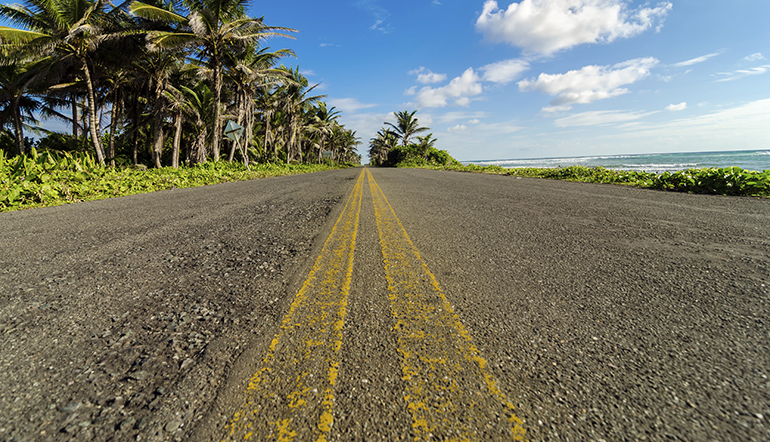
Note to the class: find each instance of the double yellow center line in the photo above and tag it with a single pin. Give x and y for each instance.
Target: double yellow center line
(447, 388)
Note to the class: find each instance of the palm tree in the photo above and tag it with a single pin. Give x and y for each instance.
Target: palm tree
(406, 126)
(323, 122)
(381, 145)
(344, 144)
(295, 102)
(425, 144)
(200, 111)
(16, 105)
(252, 74)
(180, 104)
(213, 28)
(67, 31)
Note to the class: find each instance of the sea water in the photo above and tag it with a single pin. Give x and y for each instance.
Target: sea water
(758, 160)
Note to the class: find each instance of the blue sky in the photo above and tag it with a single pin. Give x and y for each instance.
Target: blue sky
(542, 78)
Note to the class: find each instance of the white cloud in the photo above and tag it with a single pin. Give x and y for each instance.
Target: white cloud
(599, 118)
(377, 12)
(458, 128)
(755, 57)
(677, 107)
(696, 60)
(744, 125)
(366, 125)
(308, 72)
(348, 104)
(456, 116)
(505, 71)
(590, 83)
(460, 89)
(504, 128)
(740, 73)
(474, 121)
(554, 109)
(426, 76)
(547, 26)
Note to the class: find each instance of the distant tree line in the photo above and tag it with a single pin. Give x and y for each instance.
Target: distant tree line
(154, 82)
(393, 146)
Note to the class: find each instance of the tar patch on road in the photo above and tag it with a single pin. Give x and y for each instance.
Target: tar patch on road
(448, 390)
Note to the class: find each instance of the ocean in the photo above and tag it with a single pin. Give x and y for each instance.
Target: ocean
(758, 160)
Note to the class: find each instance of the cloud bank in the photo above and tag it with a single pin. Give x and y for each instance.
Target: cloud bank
(740, 73)
(677, 107)
(426, 76)
(349, 104)
(461, 89)
(599, 118)
(504, 72)
(590, 83)
(696, 60)
(547, 26)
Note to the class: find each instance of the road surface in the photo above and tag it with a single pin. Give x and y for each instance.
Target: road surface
(388, 304)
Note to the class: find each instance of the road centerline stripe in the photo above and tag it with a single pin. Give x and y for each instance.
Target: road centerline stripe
(292, 392)
(449, 392)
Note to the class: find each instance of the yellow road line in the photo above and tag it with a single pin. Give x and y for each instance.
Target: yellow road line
(449, 391)
(286, 397)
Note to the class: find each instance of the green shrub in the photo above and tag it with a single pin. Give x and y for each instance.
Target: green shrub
(47, 178)
(725, 181)
(416, 156)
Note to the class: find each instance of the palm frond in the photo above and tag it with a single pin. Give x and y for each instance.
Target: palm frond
(20, 15)
(12, 36)
(154, 13)
(162, 39)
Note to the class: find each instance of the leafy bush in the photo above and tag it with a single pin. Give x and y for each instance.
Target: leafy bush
(725, 181)
(415, 155)
(46, 179)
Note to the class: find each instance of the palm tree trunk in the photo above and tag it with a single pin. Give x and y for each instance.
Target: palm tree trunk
(157, 145)
(75, 116)
(92, 114)
(18, 127)
(321, 148)
(177, 140)
(135, 144)
(267, 135)
(216, 136)
(292, 139)
(249, 132)
(199, 149)
(117, 110)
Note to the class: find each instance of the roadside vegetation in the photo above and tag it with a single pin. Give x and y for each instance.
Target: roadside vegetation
(720, 181)
(154, 83)
(50, 179)
(392, 148)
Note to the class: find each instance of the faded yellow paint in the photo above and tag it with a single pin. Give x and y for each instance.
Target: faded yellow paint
(441, 366)
(285, 397)
(449, 391)
(284, 433)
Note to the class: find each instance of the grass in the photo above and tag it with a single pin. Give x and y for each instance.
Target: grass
(720, 181)
(51, 179)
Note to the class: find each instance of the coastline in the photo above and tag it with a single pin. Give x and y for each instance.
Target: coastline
(755, 160)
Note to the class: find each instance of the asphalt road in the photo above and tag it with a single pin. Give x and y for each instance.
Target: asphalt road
(404, 304)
